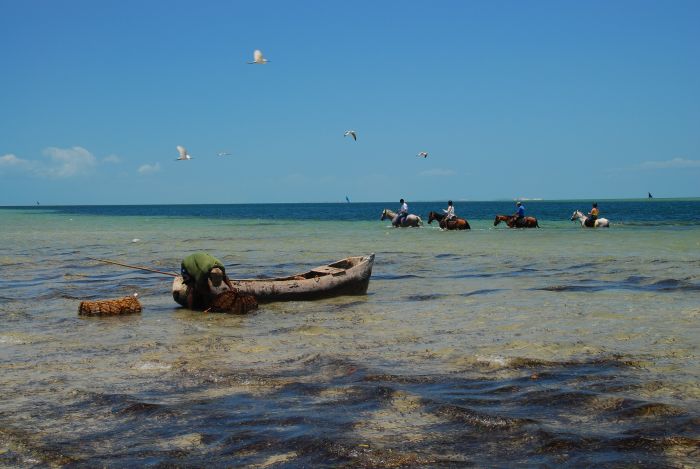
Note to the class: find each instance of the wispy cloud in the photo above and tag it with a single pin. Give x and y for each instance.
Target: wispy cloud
(149, 168)
(295, 178)
(112, 159)
(11, 161)
(58, 163)
(675, 163)
(328, 179)
(437, 172)
(67, 162)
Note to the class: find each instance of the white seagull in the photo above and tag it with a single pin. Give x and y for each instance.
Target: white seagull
(183, 154)
(352, 133)
(258, 58)
(224, 153)
(423, 154)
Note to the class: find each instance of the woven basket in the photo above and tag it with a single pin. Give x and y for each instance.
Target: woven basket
(126, 305)
(232, 302)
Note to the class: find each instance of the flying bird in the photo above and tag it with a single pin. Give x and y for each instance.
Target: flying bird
(183, 154)
(352, 133)
(224, 153)
(258, 58)
(423, 154)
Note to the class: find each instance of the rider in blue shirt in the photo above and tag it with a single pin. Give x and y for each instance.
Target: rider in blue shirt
(520, 214)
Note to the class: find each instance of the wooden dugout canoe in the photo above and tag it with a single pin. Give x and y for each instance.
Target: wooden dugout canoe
(349, 276)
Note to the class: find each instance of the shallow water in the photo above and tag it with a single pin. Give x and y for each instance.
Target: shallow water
(492, 347)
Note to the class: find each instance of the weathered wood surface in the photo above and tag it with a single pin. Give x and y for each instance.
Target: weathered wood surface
(349, 276)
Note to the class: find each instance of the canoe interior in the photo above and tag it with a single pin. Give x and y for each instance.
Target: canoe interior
(335, 268)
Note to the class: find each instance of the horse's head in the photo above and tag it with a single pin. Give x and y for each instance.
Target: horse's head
(431, 217)
(500, 218)
(384, 215)
(576, 215)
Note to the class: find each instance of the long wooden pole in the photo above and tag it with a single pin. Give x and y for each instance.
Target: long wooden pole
(134, 267)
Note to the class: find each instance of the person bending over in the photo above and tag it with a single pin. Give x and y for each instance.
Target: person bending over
(205, 277)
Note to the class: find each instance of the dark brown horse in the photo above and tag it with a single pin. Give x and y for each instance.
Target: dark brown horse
(528, 222)
(455, 224)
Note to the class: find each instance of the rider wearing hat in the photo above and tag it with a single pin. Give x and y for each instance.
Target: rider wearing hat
(519, 214)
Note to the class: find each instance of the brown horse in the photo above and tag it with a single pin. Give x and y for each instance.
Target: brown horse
(456, 224)
(528, 222)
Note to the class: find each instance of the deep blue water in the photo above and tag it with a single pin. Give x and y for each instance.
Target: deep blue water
(676, 211)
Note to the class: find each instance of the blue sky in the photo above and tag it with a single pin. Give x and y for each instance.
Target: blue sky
(534, 99)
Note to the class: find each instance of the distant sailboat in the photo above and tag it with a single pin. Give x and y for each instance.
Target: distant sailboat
(37, 202)
(650, 195)
(347, 199)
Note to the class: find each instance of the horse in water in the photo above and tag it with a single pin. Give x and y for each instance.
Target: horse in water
(456, 224)
(599, 223)
(409, 221)
(528, 222)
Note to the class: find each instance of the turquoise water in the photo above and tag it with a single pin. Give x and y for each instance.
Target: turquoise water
(491, 347)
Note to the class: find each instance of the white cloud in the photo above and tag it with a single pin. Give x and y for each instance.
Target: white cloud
(437, 172)
(675, 163)
(112, 159)
(11, 161)
(68, 162)
(149, 168)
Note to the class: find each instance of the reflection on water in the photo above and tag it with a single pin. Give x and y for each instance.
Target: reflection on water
(487, 348)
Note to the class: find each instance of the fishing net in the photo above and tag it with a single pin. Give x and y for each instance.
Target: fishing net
(232, 302)
(126, 305)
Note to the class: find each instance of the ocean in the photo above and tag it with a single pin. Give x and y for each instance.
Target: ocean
(492, 347)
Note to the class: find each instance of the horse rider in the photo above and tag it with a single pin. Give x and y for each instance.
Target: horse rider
(204, 275)
(402, 213)
(450, 211)
(592, 215)
(519, 214)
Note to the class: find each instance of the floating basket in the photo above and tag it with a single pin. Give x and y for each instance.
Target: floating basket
(232, 302)
(126, 305)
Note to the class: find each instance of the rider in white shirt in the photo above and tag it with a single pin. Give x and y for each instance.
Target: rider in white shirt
(402, 214)
(449, 212)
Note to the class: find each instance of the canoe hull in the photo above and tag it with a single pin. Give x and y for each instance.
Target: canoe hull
(349, 276)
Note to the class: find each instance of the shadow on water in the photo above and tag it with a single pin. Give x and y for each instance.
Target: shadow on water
(328, 412)
(635, 283)
(436, 296)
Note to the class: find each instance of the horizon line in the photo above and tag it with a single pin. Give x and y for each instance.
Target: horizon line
(358, 203)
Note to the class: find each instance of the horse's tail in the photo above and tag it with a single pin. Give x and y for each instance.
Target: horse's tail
(537, 223)
(420, 220)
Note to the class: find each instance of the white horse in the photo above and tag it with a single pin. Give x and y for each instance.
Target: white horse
(409, 220)
(599, 223)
